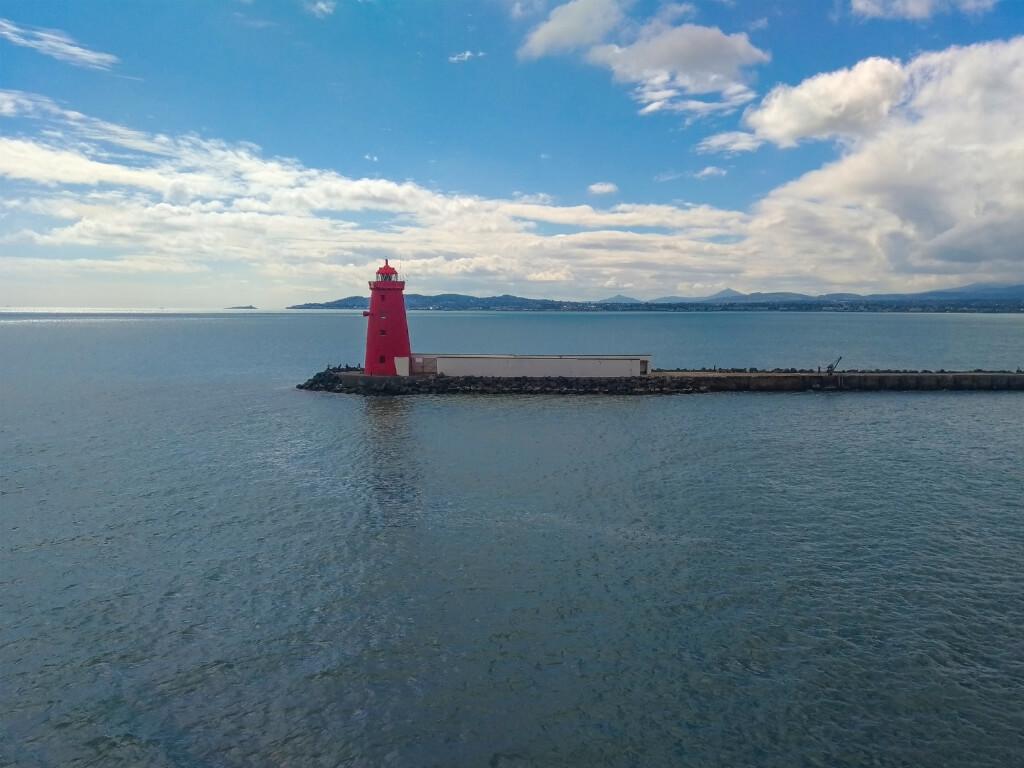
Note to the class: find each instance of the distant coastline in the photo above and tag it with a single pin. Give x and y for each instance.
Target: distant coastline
(972, 298)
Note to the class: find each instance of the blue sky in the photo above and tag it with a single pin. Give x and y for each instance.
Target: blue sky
(202, 153)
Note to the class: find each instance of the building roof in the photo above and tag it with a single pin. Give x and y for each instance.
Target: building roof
(530, 357)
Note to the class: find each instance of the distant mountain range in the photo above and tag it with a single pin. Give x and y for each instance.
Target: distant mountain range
(976, 291)
(979, 297)
(725, 295)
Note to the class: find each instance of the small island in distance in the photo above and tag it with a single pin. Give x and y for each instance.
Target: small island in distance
(979, 297)
(247, 306)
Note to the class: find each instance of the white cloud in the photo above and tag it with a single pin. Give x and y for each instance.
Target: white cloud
(371, 158)
(461, 58)
(918, 9)
(602, 188)
(670, 65)
(570, 26)
(670, 13)
(849, 102)
(75, 268)
(214, 208)
(553, 274)
(540, 198)
(934, 190)
(14, 103)
(709, 172)
(321, 8)
(56, 44)
(929, 194)
(697, 221)
(729, 142)
(672, 68)
(49, 165)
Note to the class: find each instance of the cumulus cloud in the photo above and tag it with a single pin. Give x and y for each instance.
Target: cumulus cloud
(710, 172)
(576, 24)
(672, 67)
(602, 188)
(936, 187)
(668, 65)
(204, 206)
(849, 102)
(56, 44)
(918, 9)
(928, 192)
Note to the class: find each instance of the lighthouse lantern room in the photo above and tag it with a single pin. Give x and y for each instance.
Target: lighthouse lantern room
(387, 330)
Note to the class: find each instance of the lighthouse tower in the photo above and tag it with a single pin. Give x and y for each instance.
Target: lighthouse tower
(387, 331)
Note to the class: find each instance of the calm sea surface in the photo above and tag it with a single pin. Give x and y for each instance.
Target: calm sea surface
(202, 566)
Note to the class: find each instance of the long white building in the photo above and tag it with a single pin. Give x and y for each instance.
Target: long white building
(569, 366)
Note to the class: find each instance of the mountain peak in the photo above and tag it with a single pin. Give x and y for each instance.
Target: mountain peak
(620, 299)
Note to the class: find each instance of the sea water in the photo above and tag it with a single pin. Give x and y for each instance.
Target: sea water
(202, 566)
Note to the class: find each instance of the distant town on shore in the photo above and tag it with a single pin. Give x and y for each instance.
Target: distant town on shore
(979, 297)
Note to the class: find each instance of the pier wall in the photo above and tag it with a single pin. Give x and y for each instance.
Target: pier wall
(668, 382)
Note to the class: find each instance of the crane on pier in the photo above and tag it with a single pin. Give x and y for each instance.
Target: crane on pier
(831, 368)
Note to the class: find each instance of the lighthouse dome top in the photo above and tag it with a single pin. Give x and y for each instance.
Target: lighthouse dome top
(387, 272)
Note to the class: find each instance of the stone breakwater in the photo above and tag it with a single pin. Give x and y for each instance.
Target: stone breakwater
(350, 381)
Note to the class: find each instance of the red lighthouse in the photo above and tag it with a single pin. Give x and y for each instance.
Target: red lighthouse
(387, 332)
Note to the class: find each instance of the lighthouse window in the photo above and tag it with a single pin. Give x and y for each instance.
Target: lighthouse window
(383, 297)
(383, 332)
(381, 359)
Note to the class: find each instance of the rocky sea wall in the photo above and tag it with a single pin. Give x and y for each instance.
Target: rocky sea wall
(352, 381)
